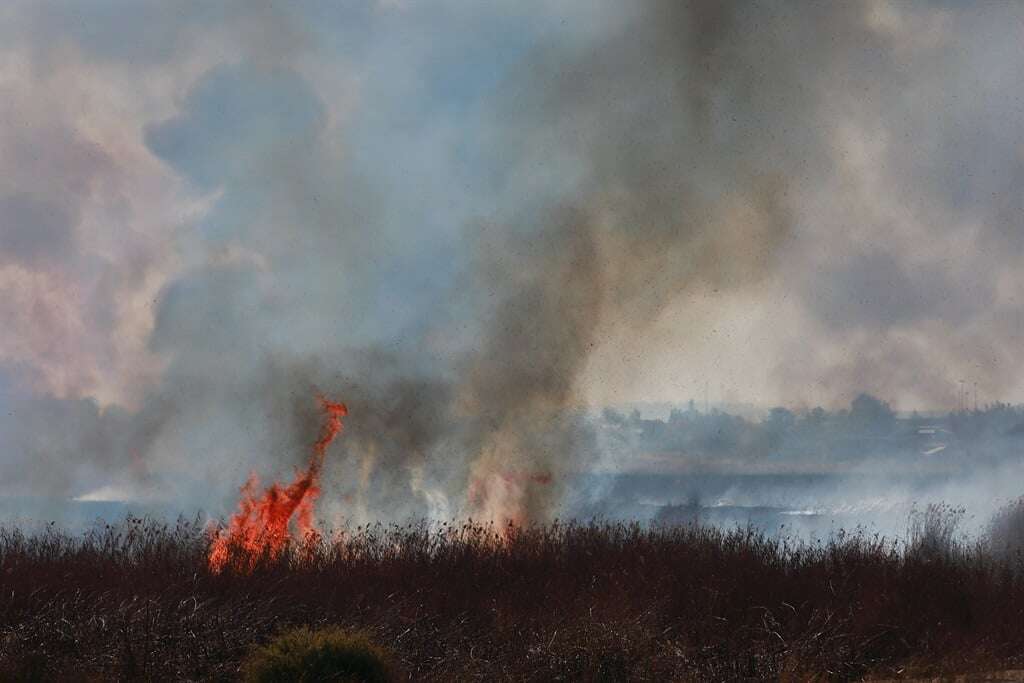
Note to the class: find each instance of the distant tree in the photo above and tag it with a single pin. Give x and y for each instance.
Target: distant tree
(776, 426)
(719, 433)
(613, 417)
(780, 419)
(816, 418)
(868, 412)
(675, 416)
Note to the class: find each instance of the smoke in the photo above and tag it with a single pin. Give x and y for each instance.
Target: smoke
(490, 420)
(638, 226)
(472, 241)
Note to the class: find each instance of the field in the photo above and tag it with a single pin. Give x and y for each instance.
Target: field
(600, 601)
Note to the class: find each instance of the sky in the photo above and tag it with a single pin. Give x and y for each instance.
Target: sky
(488, 212)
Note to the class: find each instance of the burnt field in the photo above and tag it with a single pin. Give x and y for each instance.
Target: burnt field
(138, 601)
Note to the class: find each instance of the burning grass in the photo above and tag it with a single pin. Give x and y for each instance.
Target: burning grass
(261, 527)
(461, 602)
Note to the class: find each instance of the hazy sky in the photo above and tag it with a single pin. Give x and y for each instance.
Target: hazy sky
(533, 201)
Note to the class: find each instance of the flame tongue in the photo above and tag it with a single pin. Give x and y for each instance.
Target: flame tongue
(261, 525)
(331, 429)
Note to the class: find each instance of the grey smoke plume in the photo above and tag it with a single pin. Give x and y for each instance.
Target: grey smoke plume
(659, 199)
(642, 222)
(491, 423)
(455, 271)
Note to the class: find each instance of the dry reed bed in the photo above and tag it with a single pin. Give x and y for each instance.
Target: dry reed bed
(599, 601)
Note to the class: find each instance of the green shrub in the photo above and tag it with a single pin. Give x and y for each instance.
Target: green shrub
(326, 654)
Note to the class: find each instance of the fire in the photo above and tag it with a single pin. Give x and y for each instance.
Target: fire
(261, 527)
(500, 495)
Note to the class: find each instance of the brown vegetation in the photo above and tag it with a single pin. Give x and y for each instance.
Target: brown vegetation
(559, 602)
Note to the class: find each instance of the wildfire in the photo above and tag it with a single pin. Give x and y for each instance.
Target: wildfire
(261, 527)
(500, 495)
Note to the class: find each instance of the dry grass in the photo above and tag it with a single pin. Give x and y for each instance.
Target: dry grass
(1006, 532)
(599, 602)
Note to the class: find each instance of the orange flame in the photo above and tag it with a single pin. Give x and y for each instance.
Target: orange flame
(261, 525)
